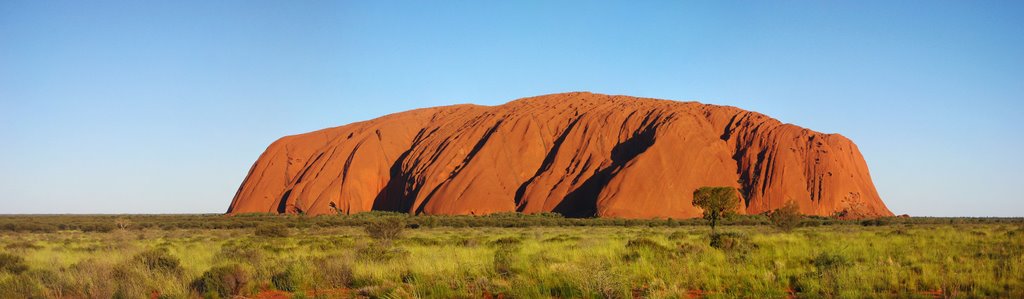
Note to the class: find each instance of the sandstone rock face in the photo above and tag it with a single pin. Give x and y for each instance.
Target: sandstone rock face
(578, 154)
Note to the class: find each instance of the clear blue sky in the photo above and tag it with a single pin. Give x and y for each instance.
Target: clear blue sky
(162, 106)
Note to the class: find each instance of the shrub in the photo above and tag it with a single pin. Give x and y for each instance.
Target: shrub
(96, 275)
(637, 247)
(386, 229)
(423, 241)
(12, 263)
(787, 217)
(53, 283)
(645, 243)
(272, 231)
(159, 260)
(504, 258)
(688, 249)
(97, 227)
(288, 280)
(23, 245)
(826, 262)
(828, 266)
(245, 252)
(728, 241)
(881, 221)
(678, 235)
(562, 238)
(20, 286)
(129, 281)
(595, 279)
(379, 252)
(465, 241)
(222, 281)
(506, 241)
(29, 227)
(1014, 233)
(332, 272)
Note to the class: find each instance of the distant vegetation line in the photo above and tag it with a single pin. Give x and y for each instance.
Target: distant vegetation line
(106, 223)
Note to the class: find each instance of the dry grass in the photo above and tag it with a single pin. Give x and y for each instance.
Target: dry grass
(850, 261)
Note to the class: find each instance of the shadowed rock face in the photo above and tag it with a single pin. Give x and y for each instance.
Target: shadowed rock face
(578, 154)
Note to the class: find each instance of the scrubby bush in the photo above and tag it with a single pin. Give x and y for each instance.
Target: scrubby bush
(462, 241)
(29, 227)
(685, 249)
(828, 266)
(881, 221)
(222, 281)
(1015, 233)
(12, 263)
(636, 248)
(272, 231)
(738, 219)
(506, 241)
(20, 286)
(288, 280)
(595, 279)
(562, 238)
(645, 243)
(787, 217)
(23, 246)
(386, 229)
(380, 252)
(241, 252)
(728, 241)
(332, 272)
(423, 241)
(504, 258)
(678, 235)
(159, 260)
(97, 227)
(96, 278)
(825, 262)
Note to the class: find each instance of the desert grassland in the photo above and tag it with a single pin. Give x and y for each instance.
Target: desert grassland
(845, 261)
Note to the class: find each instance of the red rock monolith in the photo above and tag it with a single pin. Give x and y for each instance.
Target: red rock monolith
(579, 154)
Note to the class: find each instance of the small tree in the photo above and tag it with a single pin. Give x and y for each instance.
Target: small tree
(123, 223)
(717, 202)
(787, 217)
